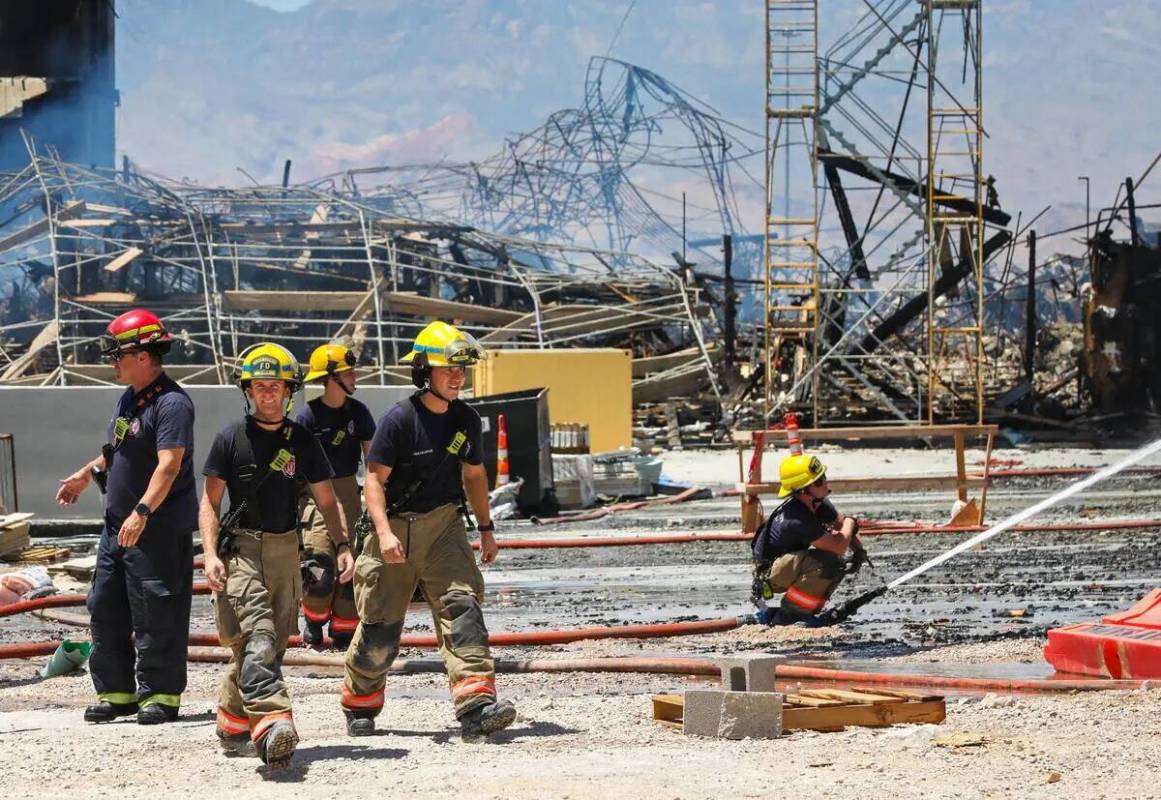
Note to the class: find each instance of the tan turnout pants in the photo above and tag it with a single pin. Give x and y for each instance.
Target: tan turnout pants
(256, 614)
(807, 578)
(441, 563)
(338, 605)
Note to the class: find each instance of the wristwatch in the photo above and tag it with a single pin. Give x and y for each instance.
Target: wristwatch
(488, 527)
(143, 510)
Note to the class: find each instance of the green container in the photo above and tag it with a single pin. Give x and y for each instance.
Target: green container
(69, 657)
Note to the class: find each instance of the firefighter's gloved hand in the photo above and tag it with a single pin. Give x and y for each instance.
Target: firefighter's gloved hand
(856, 560)
(318, 578)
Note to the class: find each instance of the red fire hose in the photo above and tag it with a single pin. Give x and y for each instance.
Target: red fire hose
(665, 666)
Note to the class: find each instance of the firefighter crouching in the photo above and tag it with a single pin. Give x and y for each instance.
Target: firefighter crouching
(799, 550)
(426, 451)
(344, 427)
(140, 599)
(251, 557)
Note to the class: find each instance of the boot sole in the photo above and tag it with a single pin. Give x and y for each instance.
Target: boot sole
(280, 748)
(102, 718)
(352, 731)
(155, 720)
(492, 724)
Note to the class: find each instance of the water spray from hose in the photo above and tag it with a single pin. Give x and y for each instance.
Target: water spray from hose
(844, 611)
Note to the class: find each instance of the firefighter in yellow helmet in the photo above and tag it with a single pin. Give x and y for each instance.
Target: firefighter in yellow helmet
(251, 556)
(425, 454)
(799, 549)
(344, 427)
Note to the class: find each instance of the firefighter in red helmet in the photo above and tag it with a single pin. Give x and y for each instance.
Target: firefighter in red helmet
(140, 598)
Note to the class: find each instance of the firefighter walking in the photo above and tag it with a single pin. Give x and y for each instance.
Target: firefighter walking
(344, 427)
(426, 452)
(799, 550)
(142, 586)
(252, 558)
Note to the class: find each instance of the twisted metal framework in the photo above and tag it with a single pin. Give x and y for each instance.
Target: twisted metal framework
(591, 175)
(302, 265)
(894, 329)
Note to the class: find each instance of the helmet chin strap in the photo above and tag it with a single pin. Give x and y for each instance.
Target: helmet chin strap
(335, 376)
(427, 385)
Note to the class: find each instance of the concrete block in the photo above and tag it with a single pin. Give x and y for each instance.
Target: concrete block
(748, 673)
(732, 715)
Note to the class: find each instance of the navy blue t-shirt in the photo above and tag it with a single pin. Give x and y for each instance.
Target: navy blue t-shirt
(412, 455)
(340, 431)
(166, 422)
(796, 527)
(278, 495)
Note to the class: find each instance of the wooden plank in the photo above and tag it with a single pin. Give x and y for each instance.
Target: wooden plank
(41, 227)
(862, 715)
(420, 306)
(873, 433)
(811, 702)
(252, 300)
(123, 259)
(907, 694)
(960, 467)
(668, 708)
(851, 696)
(916, 484)
(43, 339)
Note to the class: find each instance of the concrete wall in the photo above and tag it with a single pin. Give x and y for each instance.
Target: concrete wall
(56, 430)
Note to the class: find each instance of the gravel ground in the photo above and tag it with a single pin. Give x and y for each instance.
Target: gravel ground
(589, 735)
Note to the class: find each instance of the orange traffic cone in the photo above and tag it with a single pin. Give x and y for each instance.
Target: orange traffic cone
(501, 453)
(793, 439)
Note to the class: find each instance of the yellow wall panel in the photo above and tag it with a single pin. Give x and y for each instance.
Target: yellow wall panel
(593, 385)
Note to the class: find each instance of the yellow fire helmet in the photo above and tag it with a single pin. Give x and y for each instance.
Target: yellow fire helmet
(330, 359)
(798, 472)
(443, 345)
(269, 361)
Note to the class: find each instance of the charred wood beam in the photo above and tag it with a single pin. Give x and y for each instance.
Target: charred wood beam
(918, 304)
(855, 167)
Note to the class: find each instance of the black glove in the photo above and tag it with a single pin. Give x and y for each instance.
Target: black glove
(856, 559)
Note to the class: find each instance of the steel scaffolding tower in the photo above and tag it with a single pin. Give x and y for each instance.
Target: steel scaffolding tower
(876, 212)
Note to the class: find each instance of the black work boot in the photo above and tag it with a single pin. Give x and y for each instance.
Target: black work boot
(236, 744)
(105, 711)
(156, 714)
(312, 635)
(359, 723)
(276, 747)
(341, 641)
(484, 720)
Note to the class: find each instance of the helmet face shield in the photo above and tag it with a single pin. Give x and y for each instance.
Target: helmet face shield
(463, 351)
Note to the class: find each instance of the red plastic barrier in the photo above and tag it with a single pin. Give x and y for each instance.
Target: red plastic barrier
(1146, 613)
(1122, 645)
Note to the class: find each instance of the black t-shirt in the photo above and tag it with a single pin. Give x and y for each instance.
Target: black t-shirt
(166, 422)
(796, 527)
(278, 495)
(340, 431)
(415, 450)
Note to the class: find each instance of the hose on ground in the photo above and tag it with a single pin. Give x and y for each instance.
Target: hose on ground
(666, 666)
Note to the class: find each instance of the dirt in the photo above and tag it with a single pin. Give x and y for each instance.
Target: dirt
(590, 735)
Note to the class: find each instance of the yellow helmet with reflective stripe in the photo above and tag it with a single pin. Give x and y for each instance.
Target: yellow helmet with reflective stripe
(443, 345)
(798, 472)
(330, 359)
(269, 361)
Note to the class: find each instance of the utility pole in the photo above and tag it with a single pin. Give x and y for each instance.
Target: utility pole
(730, 300)
(1087, 206)
(1030, 312)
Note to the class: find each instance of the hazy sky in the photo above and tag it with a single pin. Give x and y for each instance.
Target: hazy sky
(211, 86)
